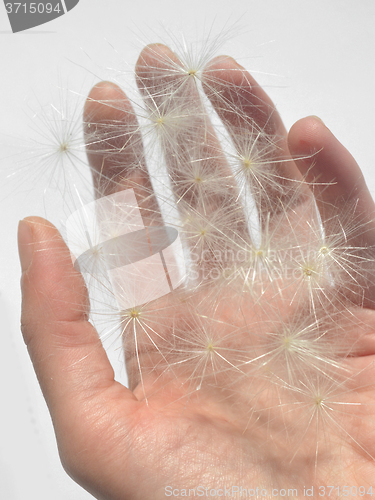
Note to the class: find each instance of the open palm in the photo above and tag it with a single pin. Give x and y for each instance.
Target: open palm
(258, 373)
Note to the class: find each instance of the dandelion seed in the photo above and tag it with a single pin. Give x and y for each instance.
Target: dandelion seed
(57, 150)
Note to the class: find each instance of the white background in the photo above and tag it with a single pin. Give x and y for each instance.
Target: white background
(313, 57)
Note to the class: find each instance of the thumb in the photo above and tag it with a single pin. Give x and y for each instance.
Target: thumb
(71, 365)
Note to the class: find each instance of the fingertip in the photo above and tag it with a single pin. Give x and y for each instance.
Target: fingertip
(31, 230)
(222, 75)
(111, 135)
(106, 102)
(220, 63)
(308, 135)
(154, 57)
(333, 173)
(51, 277)
(238, 98)
(102, 88)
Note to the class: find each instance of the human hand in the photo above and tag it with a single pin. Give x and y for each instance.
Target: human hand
(251, 378)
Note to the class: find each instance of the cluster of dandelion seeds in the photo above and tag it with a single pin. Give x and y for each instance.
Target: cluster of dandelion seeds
(252, 302)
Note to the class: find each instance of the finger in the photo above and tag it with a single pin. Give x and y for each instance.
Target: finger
(115, 150)
(71, 365)
(338, 183)
(262, 158)
(116, 155)
(238, 98)
(192, 151)
(200, 175)
(346, 208)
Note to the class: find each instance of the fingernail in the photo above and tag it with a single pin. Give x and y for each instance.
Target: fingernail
(25, 244)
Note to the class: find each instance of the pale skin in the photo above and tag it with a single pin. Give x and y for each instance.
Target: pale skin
(114, 443)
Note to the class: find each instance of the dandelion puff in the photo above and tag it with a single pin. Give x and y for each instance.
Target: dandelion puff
(322, 412)
(145, 332)
(211, 239)
(255, 159)
(172, 117)
(172, 130)
(344, 256)
(327, 262)
(116, 142)
(205, 351)
(189, 58)
(303, 345)
(254, 166)
(303, 270)
(57, 149)
(201, 185)
(261, 258)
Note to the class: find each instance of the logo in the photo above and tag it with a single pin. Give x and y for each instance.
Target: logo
(28, 14)
(109, 241)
